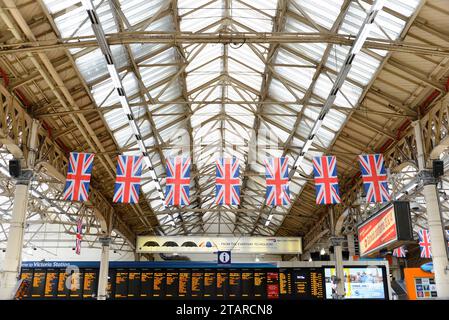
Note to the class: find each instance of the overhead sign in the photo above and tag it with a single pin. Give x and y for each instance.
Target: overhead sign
(181, 244)
(224, 257)
(390, 225)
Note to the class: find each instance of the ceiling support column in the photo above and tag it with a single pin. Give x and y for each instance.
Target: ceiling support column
(103, 274)
(340, 276)
(13, 258)
(437, 239)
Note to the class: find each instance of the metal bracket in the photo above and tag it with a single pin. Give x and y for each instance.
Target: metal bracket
(425, 178)
(25, 177)
(105, 241)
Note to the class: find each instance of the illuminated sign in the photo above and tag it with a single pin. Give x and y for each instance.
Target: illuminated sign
(386, 227)
(179, 244)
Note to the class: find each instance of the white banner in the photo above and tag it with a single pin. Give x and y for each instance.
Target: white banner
(180, 244)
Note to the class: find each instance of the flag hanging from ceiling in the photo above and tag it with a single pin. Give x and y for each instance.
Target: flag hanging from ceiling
(177, 190)
(78, 176)
(326, 180)
(447, 237)
(374, 178)
(127, 181)
(227, 182)
(399, 252)
(276, 177)
(79, 230)
(424, 243)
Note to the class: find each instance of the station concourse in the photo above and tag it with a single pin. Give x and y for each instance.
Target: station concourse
(231, 150)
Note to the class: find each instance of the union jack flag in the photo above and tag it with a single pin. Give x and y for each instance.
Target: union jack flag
(78, 176)
(374, 177)
(127, 180)
(227, 182)
(424, 243)
(177, 190)
(79, 230)
(276, 177)
(326, 180)
(399, 252)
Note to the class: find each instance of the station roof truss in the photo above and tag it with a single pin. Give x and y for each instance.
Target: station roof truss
(211, 78)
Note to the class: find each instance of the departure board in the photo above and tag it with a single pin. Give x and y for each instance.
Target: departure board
(172, 286)
(179, 283)
(234, 283)
(27, 275)
(247, 283)
(285, 283)
(121, 283)
(38, 288)
(90, 283)
(197, 283)
(51, 283)
(222, 283)
(146, 283)
(272, 285)
(185, 284)
(62, 288)
(134, 283)
(308, 283)
(76, 281)
(159, 283)
(210, 284)
(260, 284)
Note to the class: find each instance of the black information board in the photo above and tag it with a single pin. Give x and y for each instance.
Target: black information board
(178, 283)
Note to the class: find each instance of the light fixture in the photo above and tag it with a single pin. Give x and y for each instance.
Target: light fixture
(322, 252)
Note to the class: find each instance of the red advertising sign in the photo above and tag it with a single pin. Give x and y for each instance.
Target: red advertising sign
(378, 231)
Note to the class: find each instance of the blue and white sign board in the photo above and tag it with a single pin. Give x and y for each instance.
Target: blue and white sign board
(224, 257)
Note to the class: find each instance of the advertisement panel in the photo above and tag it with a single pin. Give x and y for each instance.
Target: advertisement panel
(388, 228)
(377, 232)
(179, 244)
(360, 283)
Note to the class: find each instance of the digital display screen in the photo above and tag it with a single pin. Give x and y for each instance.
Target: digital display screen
(133, 283)
(27, 275)
(171, 289)
(308, 283)
(185, 283)
(197, 283)
(146, 285)
(210, 283)
(121, 283)
(51, 283)
(360, 283)
(90, 283)
(38, 288)
(159, 280)
(260, 284)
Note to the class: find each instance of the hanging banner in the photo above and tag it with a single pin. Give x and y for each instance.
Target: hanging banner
(388, 228)
(180, 244)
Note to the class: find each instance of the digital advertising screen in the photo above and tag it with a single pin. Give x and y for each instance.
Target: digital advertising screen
(360, 283)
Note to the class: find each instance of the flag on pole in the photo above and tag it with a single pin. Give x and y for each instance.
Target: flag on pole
(78, 176)
(399, 252)
(177, 191)
(127, 181)
(276, 177)
(374, 178)
(227, 182)
(424, 243)
(326, 180)
(79, 230)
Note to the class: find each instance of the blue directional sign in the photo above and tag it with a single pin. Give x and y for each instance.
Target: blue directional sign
(224, 257)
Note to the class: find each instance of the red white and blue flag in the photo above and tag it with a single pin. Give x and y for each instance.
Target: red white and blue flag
(326, 180)
(79, 230)
(399, 252)
(78, 176)
(127, 181)
(177, 190)
(374, 178)
(227, 182)
(276, 177)
(447, 237)
(424, 243)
